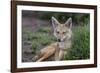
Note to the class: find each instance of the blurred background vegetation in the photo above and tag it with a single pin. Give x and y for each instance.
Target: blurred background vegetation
(77, 18)
(42, 35)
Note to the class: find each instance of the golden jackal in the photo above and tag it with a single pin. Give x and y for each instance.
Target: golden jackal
(63, 33)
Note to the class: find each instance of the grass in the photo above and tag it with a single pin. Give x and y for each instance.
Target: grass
(45, 30)
(81, 44)
(27, 34)
(42, 38)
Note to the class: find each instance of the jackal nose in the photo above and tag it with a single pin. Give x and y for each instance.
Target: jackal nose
(59, 40)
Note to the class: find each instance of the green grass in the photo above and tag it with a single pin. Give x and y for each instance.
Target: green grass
(27, 34)
(40, 38)
(80, 49)
(43, 37)
(45, 30)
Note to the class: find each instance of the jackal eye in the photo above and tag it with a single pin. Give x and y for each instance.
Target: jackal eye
(57, 32)
(64, 32)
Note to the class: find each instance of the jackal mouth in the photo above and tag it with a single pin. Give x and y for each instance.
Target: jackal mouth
(60, 40)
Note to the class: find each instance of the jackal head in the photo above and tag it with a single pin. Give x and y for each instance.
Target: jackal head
(62, 31)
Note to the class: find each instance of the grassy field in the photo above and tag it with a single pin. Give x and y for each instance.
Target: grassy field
(44, 36)
(81, 44)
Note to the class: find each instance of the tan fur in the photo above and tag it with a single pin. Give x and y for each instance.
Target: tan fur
(47, 51)
(58, 49)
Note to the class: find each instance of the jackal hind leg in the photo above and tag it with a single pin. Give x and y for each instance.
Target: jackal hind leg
(37, 56)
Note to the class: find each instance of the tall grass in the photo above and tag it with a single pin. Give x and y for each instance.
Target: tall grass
(81, 44)
(41, 38)
(81, 41)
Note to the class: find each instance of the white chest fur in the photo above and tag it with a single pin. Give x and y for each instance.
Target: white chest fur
(64, 45)
(61, 45)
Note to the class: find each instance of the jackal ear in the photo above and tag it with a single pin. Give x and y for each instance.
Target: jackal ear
(68, 23)
(54, 22)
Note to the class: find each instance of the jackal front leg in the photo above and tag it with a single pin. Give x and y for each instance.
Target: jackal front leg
(61, 54)
(56, 57)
